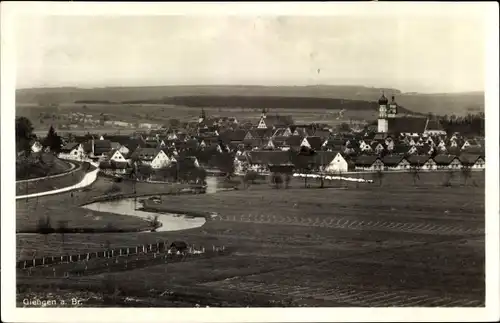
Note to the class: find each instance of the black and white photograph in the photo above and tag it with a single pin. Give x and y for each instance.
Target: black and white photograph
(222, 156)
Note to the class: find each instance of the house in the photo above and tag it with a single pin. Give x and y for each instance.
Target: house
(364, 147)
(447, 162)
(312, 142)
(369, 163)
(422, 162)
(156, 158)
(270, 144)
(473, 161)
(274, 121)
(339, 163)
(187, 162)
(100, 147)
(378, 147)
(113, 167)
(293, 142)
(395, 162)
(72, 151)
(259, 133)
(36, 146)
(116, 156)
(407, 125)
(260, 160)
(233, 136)
(283, 132)
(471, 144)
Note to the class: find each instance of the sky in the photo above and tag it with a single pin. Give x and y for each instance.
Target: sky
(412, 54)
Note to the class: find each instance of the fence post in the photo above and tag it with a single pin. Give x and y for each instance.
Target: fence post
(43, 261)
(144, 248)
(88, 256)
(25, 264)
(54, 271)
(120, 251)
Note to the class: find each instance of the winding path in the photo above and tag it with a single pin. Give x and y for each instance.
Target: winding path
(87, 180)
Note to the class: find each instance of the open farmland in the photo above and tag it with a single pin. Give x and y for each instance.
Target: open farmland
(162, 113)
(396, 244)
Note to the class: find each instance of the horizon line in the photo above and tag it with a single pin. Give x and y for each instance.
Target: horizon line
(241, 85)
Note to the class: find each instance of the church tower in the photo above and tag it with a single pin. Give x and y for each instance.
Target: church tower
(202, 116)
(393, 108)
(383, 123)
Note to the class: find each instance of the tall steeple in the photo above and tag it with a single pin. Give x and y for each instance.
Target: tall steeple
(202, 116)
(383, 123)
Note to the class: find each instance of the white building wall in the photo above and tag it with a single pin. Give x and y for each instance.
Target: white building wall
(161, 160)
(337, 165)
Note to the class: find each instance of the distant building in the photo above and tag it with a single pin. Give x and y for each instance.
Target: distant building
(73, 151)
(274, 121)
(36, 146)
(389, 122)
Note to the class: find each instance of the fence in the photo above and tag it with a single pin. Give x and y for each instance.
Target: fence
(110, 253)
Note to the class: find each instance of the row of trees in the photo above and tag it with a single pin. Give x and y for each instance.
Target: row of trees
(471, 124)
(177, 172)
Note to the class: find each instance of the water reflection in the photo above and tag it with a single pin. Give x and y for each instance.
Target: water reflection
(169, 221)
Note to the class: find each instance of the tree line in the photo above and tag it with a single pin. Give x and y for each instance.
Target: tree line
(471, 124)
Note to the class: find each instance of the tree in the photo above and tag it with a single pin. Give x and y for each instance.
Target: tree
(174, 123)
(24, 134)
(62, 225)
(199, 175)
(155, 223)
(225, 163)
(466, 174)
(44, 227)
(379, 175)
(250, 178)
(53, 141)
(276, 180)
(344, 127)
(288, 178)
(415, 174)
(449, 177)
(144, 171)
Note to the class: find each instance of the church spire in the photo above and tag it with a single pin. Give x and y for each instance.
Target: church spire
(202, 116)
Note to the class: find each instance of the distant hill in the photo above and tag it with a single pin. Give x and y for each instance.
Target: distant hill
(446, 103)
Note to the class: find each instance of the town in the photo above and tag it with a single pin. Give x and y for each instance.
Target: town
(331, 160)
(275, 144)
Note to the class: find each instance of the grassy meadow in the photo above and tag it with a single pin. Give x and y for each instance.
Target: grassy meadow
(423, 242)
